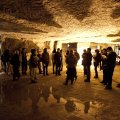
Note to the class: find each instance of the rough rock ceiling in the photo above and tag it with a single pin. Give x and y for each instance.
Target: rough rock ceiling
(83, 20)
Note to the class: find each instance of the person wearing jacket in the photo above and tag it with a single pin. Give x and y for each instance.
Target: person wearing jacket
(88, 64)
(53, 61)
(33, 66)
(24, 61)
(45, 61)
(97, 62)
(111, 61)
(104, 66)
(39, 55)
(15, 61)
(58, 61)
(83, 62)
(78, 58)
(71, 62)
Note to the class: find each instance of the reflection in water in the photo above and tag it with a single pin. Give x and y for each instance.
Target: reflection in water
(41, 101)
(87, 107)
(70, 106)
(57, 97)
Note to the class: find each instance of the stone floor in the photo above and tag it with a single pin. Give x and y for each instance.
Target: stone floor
(49, 99)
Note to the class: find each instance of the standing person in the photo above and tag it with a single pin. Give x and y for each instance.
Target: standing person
(84, 61)
(71, 62)
(118, 85)
(61, 68)
(45, 61)
(104, 66)
(6, 60)
(97, 62)
(33, 66)
(58, 60)
(16, 65)
(24, 61)
(77, 57)
(53, 61)
(88, 64)
(2, 62)
(111, 61)
(39, 55)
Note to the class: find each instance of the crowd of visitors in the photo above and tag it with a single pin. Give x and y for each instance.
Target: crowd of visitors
(39, 61)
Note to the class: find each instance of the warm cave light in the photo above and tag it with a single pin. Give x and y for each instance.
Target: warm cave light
(86, 36)
(80, 51)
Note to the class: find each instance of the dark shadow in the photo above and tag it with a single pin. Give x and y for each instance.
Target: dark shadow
(78, 8)
(114, 35)
(31, 10)
(70, 106)
(8, 26)
(116, 0)
(117, 40)
(87, 107)
(116, 13)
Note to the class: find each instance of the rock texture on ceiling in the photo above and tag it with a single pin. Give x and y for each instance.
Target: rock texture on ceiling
(61, 19)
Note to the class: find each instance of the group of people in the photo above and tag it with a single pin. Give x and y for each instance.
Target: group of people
(106, 60)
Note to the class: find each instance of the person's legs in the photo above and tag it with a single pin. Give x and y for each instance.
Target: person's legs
(88, 73)
(59, 69)
(39, 68)
(46, 68)
(33, 75)
(56, 69)
(14, 74)
(104, 81)
(73, 74)
(68, 76)
(85, 71)
(23, 69)
(96, 72)
(109, 78)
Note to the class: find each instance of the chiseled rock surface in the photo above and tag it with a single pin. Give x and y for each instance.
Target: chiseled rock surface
(61, 19)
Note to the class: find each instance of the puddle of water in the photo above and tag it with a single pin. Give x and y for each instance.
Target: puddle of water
(40, 101)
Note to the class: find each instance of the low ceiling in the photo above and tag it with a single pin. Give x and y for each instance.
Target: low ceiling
(72, 20)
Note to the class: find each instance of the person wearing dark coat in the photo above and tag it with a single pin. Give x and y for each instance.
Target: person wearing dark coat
(53, 61)
(111, 61)
(71, 62)
(24, 61)
(104, 66)
(39, 55)
(6, 60)
(88, 64)
(78, 58)
(45, 61)
(16, 65)
(83, 62)
(58, 61)
(97, 62)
